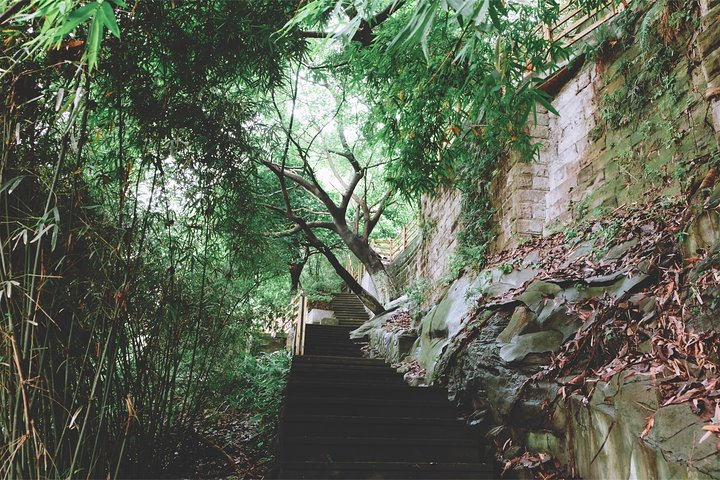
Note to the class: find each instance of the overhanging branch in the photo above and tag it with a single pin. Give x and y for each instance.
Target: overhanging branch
(364, 34)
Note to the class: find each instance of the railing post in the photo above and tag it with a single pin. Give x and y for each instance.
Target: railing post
(547, 32)
(296, 314)
(303, 306)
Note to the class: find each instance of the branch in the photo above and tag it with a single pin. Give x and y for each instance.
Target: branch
(348, 151)
(298, 228)
(364, 34)
(378, 213)
(349, 189)
(359, 172)
(311, 187)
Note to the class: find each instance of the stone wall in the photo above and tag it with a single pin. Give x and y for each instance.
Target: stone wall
(709, 49)
(520, 190)
(404, 268)
(589, 164)
(440, 218)
(428, 258)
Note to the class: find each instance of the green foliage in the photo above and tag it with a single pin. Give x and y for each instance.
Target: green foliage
(647, 76)
(256, 386)
(135, 255)
(456, 266)
(448, 92)
(319, 280)
(506, 267)
(58, 19)
(419, 291)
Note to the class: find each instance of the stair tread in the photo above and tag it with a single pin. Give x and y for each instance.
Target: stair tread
(334, 359)
(371, 419)
(352, 401)
(378, 441)
(392, 465)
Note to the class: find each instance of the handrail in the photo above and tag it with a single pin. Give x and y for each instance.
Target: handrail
(573, 24)
(298, 311)
(390, 248)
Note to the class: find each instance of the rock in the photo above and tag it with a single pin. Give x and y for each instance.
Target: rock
(530, 259)
(523, 345)
(627, 284)
(677, 432)
(391, 309)
(535, 294)
(545, 442)
(363, 331)
(494, 282)
(702, 233)
(554, 316)
(442, 323)
(522, 318)
(619, 251)
(580, 250)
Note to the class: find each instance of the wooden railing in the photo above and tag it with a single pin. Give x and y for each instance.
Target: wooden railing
(575, 24)
(390, 248)
(298, 312)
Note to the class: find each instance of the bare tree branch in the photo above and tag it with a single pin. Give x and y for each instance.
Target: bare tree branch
(311, 187)
(384, 203)
(364, 34)
(299, 228)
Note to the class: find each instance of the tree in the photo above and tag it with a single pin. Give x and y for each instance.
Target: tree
(352, 226)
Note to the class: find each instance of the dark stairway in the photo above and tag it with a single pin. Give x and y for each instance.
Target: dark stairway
(349, 417)
(331, 340)
(349, 310)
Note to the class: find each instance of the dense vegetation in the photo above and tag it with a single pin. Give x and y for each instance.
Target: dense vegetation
(148, 214)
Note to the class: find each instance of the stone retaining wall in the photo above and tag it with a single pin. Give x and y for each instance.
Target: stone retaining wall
(429, 256)
(587, 165)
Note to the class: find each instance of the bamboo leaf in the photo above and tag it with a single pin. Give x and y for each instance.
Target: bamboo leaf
(75, 18)
(543, 99)
(11, 184)
(109, 19)
(94, 39)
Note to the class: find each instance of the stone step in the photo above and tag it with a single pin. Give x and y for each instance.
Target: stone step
(364, 380)
(361, 449)
(319, 370)
(326, 359)
(374, 407)
(311, 387)
(326, 329)
(386, 470)
(366, 426)
(338, 352)
(345, 416)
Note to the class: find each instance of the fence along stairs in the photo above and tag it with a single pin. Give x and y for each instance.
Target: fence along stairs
(345, 416)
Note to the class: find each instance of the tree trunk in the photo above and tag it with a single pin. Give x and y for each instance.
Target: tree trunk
(366, 297)
(371, 261)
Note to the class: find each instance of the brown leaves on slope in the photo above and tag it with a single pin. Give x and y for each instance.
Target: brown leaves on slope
(646, 332)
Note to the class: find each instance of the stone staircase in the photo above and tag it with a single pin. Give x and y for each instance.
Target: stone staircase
(349, 310)
(333, 340)
(345, 416)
